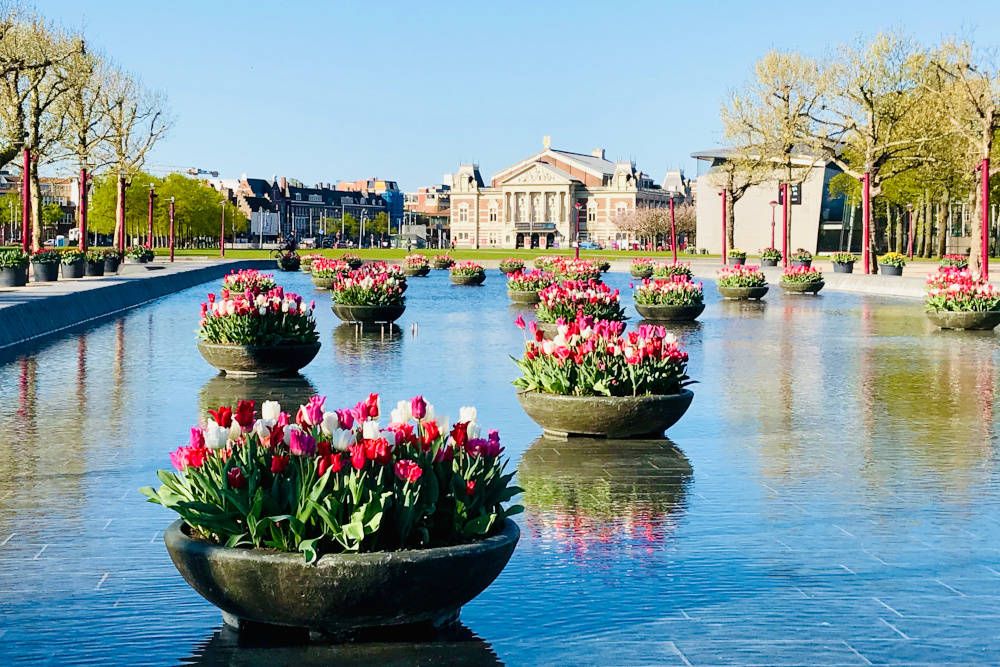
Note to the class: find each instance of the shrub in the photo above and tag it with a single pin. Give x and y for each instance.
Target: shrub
(844, 258)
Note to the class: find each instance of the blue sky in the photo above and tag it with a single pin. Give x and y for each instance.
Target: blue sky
(322, 91)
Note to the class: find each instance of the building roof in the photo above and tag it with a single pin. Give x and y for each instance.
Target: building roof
(591, 162)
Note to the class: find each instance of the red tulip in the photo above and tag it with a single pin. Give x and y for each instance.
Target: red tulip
(278, 464)
(358, 458)
(223, 416)
(236, 478)
(408, 471)
(459, 433)
(470, 487)
(244, 414)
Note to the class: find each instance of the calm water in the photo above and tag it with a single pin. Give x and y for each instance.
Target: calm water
(830, 498)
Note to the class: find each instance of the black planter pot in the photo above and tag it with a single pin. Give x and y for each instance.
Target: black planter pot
(768, 262)
(737, 261)
(887, 270)
(843, 267)
(45, 273)
(95, 269)
(77, 269)
(14, 276)
(111, 264)
(802, 262)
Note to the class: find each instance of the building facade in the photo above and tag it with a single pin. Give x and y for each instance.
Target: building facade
(536, 202)
(387, 190)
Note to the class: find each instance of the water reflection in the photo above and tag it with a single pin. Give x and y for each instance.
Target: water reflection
(743, 309)
(290, 392)
(594, 494)
(352, 340)
(452, 646)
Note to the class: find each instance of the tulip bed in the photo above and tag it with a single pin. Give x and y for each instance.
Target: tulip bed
(270, 318)
(416, 262)
(338, 481)
(467, 269)
(954, 289)
(248, 280)
(747, 275)
(370, 286)
(570, 298)
(531, 281)
(576, 269)
(329, 268)
(511, 265)
(955, 261)
(677, 291)
(671, 270)
(799, 275)
(595, 358)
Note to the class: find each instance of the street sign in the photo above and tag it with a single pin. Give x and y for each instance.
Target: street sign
(796, 192)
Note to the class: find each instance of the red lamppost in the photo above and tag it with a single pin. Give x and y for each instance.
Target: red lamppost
(222, 231)
(82, 213)
(866, 219)
(673, 230)
(577, 206)
(774, 204)
(724, 198)
(26, 203)
(909, 239)
(171, 232)
(784, 224)
(149, 220)
(984, 176)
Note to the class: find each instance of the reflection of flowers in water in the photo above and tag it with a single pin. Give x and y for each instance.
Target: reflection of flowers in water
(593, 496)
(290, 391)
(352, 340)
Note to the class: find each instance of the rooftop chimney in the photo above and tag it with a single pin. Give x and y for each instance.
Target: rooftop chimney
(546, 142)
(598, 152)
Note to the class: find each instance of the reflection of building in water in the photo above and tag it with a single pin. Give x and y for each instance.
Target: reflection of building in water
(603, 494)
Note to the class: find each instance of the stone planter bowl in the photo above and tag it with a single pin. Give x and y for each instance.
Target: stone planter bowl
(743, 293)
(663, 313)
(768, 262)
(323, 282)
(802, 288)
(291, 264)
(74, 270)
(517, 296)
(477, 279)
(605, 416)
(14, 276)
(971, 320)
(802, 262)
(737, 261)
(45, 273)
(641, 273)
(368, 314)
(888, 270)
(95, 269)
(420, 273)
(340, 594)
(243, 360)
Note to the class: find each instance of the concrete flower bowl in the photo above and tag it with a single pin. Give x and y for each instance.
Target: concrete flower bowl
(368, 314)
(420, 273)
(743, 293)
(971, 320)
(341, 594)
(802, 288)
(661, 313)
(323, 282)
(477, 279)
(605, 416)
(642, 273)
(249, 360)
(526, 297)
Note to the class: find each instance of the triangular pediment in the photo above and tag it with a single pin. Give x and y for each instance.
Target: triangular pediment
(537, 173)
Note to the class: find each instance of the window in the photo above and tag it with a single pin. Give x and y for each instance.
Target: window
(463, 214)
(493, 215)
(592, 213)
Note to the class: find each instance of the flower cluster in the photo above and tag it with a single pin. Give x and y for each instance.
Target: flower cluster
(576, 269)
(958, 261)
(329, 268)
(893, 259)
(799, 275)
(416, 262)
(643, 263)
(267, 318)
(844, 258)
(747, 275)
(140, 253)
(801, 255)
(530, 281)
(595, 358)
(736, 253)
(771, 253)
(46, 256)
(335, 481)
(676, 291)
(569, 299)
(955, 289)
(443, 261)
(467, 269)
(511, 265)
(306, 261)
(72, 255)
(354, 261)
(671, 270)
(546, 262)
(247, 280)
(13, 258)
(369, 286)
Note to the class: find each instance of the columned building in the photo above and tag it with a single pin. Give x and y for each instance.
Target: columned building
(534, 203)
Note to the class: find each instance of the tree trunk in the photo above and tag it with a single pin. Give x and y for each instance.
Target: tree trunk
(975, 233)
(36, 206)
(928, 244)
(918, 231)
(899, 234)
(731, 221)
(119, 235)
(942, 237)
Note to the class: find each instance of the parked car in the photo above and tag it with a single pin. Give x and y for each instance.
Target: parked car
(589, 245)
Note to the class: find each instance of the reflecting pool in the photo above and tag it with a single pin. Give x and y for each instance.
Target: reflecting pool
(831, 497)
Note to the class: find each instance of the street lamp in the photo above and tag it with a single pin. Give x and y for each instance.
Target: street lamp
(578, 206)
(149, 220)
(171, 232)
(724, 256)
(774, 205)
(222, 229)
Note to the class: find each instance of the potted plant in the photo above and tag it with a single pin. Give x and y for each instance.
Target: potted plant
(591, 380)
(741, 282)
(676, 299)
(267, 333)
(524, 287)
(801, 257)
(326, 271)
(13, 267)
(354, 261)
(443, 261)
(416, 265)
(671, 270)
(770, 257)
(247, 280)
(45, 265)
(801, 280)
(511, 265)
(368, 296)
(306, 261)
(892, 263)
(288, 260)
(356, 526)
(737, 256)
(576, 269)
(138, 254)
(843, 262)
(95, 262)
(642, 267)
(112, 259)
(468, 273)
(603, 264)
(955, 261)
(73, 263)
(957, 300)
(564, 301)
(545, 262)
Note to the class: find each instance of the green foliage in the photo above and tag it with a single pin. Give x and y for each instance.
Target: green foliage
(13, 258)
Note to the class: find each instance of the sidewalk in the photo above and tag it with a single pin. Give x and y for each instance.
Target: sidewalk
(42, 309)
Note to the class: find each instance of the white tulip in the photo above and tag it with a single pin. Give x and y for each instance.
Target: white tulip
(269, 411)
(466, 414)
(429, 412)
(548, 346)
(404, 411)
(330, 423)
(341, 439)
(473, 429)
(235, 430)
(261, 430)
(216, 436)
(370, 430)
